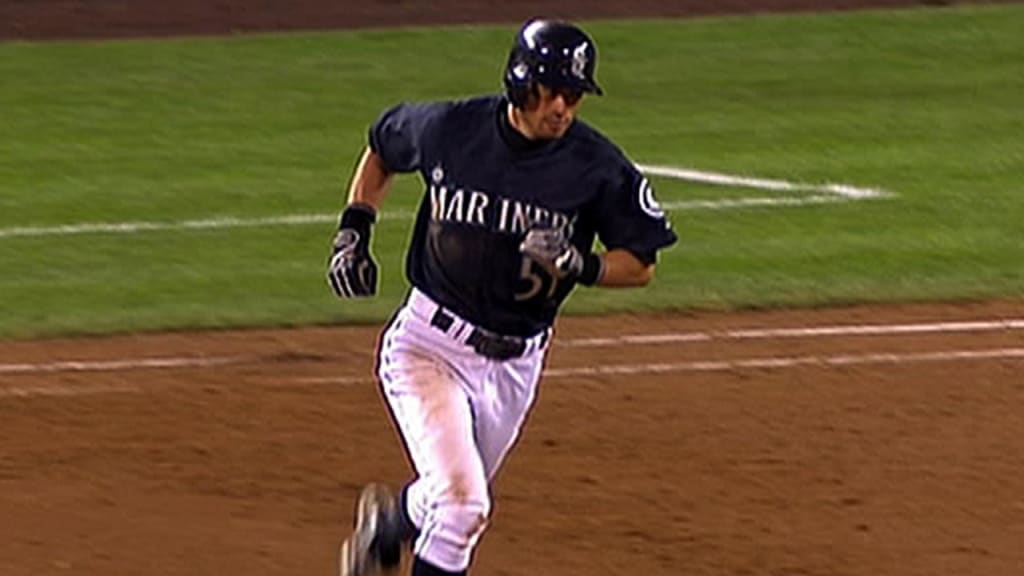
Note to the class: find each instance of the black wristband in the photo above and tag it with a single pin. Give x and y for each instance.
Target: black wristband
(593, 269)
(359, 217)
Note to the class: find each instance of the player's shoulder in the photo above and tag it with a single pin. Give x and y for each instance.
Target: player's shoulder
(414, 110)
(486, 104)
(450, 113)
(596, 149)
(445, 109)
(589, 137)
(464, 117)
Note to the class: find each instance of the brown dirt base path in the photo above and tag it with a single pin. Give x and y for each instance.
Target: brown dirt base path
(105, 18)
(860, 442)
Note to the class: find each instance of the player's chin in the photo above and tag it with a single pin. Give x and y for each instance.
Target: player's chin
(556, 129)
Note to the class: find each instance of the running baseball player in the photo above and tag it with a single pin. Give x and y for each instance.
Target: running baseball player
(517, 190)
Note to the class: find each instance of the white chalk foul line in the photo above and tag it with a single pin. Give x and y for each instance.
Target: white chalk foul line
(779, 333)
(65, 391)
(118, 365)
(787, 362)
(719, 179)
(631, 339)
(764, 363)
(751, 202)
(822, 194)
(137, 227)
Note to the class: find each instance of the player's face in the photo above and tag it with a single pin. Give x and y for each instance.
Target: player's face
(548, 113)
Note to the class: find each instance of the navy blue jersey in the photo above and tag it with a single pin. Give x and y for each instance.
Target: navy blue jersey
(486, 186)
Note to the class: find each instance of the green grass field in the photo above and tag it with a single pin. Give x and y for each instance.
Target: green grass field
(923, 103)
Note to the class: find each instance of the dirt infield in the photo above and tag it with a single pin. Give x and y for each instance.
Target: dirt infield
(861, 441)
(856, 442)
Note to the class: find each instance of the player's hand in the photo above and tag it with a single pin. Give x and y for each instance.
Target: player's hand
(550, 248)
(351, 271)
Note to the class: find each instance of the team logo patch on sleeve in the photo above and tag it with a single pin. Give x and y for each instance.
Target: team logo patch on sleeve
(648, 203)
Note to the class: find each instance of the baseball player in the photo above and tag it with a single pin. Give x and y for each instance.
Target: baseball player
(517, 190)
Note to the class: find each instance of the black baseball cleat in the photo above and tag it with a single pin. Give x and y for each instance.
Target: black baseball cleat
(374, 548)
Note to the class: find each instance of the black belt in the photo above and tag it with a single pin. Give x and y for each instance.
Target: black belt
(485, 342)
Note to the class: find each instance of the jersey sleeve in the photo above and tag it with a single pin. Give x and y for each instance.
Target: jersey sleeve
(402, 133)
(630, 216)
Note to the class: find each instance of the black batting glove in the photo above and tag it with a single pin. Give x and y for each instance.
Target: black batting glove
(551, 248)
(351, 271)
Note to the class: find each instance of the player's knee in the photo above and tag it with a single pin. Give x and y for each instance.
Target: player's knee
(464, 513)
(462, 507)
(453, 528)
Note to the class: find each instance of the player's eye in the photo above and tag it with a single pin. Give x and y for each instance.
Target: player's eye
(570, 95)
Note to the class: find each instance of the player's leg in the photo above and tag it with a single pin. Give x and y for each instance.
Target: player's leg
(506, 396)
(375, 544)
(421, 567)
(449, 502)
(502, 396)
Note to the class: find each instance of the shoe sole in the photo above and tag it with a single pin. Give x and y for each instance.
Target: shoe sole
(354, 557)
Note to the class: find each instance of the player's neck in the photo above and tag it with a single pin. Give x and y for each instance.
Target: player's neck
(513, 136)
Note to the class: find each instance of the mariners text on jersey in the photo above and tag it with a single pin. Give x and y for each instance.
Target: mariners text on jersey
(479, 208)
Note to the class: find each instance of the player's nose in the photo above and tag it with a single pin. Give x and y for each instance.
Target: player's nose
(557, 102)
(559, 107)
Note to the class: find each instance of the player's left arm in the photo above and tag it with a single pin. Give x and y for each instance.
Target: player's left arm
(622, 269)
(628, 221)
(618, 267)
(633, 227)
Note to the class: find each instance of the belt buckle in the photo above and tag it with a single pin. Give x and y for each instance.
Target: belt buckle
(496, 346)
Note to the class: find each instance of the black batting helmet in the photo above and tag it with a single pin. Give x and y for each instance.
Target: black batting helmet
(552, 53)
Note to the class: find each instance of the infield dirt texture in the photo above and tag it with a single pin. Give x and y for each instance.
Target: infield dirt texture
(861, 441)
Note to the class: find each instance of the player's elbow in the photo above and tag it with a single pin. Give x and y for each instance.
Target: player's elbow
(638, 277)
(623, 269)
(645, 275)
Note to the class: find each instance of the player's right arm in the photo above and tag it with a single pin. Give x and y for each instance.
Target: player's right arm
(371, 181)
(351, 271)
(397, 141)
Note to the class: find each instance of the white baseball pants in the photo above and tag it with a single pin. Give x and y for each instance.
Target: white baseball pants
(458, 413)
